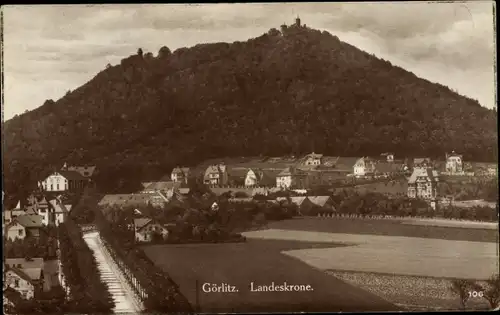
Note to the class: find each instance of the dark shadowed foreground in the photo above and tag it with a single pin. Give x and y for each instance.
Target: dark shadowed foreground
(261, 262)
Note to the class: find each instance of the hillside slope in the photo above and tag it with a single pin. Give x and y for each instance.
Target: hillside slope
(284, 92)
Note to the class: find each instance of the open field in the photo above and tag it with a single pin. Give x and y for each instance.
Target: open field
(386, 227)
(473, 203)
(463, 224)
(412, 293)
(410, 256)
(261, 262)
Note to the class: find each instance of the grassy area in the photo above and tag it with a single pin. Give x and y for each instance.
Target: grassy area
(392, 254)
(261, 262)
(385, 227)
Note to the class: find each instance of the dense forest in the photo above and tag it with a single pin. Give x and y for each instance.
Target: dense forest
(289, 91)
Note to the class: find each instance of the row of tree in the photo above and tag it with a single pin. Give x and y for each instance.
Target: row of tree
(158, 291)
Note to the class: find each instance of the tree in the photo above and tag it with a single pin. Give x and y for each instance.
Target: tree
(491, 291)
(461, 288)
(164, 52)
(139, 52)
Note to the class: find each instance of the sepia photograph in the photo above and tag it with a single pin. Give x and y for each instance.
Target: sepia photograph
(249, 158)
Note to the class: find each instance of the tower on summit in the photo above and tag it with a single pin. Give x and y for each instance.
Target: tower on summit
(297, 21)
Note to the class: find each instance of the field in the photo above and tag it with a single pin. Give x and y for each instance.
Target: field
(353, 264)
(259, 261)
(410, 256)
(387, 227)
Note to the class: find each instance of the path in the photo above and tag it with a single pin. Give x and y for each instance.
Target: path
(120, 291)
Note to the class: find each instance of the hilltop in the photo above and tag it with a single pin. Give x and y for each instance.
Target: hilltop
(289, 91)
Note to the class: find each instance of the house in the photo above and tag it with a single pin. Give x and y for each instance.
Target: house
(60, 212)
(454, 163)
(216, 175)
(64, 180)
(291, 178)
(364, 166)
(313, 159)
(8, 215)
(180, 174)
(423, 184)
(145, 229)
(387, 156)
(236, 176)
(24, 226)
(86, 171)
(24, 276)
(298, 201)
(261, 178)
(323, 202)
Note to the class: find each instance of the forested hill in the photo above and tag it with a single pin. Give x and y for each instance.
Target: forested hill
(288, 91)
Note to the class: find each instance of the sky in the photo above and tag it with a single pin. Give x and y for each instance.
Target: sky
(49, 50)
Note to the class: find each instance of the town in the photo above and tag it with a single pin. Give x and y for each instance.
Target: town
(33, 267)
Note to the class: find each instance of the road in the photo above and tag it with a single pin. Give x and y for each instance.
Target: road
(121, 292)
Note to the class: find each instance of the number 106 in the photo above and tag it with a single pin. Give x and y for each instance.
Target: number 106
(474, 294)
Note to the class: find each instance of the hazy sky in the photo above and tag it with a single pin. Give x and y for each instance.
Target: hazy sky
(49, 50)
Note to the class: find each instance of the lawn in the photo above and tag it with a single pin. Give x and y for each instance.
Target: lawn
(261, 262)
(399, 255)
(386, 227)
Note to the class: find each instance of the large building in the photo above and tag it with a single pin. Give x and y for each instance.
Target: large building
(423, 184)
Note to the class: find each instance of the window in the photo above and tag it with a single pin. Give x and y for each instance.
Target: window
(51, 187)
(16, 283)
(20, 232)
(57, 186)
